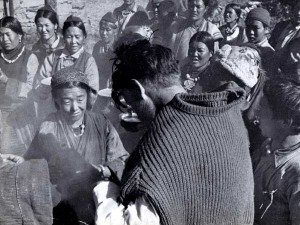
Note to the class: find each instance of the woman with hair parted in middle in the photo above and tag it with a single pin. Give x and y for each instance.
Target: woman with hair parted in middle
(47, 26)
(196, 73)
(232, 31)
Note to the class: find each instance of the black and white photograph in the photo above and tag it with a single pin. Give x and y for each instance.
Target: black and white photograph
(149, 112)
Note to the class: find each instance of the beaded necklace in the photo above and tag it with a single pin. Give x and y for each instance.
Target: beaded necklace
(190, 82)
(78, 131)
(13, 60)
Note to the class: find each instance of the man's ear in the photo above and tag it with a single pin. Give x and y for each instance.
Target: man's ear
(138, 90)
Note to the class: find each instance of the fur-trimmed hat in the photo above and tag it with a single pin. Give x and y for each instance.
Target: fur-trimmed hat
(240, 61)
(261, 15)
(68, 74)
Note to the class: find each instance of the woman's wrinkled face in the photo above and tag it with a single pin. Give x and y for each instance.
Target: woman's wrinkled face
(74, 39)
(230, 15)
(198, 54)
(45, 28)
(9, 39)
(72, 103)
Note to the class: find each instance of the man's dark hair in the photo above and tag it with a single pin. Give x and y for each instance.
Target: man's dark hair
(283, 96)
(152, 65)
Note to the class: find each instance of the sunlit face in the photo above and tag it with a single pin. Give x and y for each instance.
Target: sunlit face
(144, 108)
(9, 39)
(269, 126)
(72, 103)
(230, 15)
(74, 39)
(196, 9)
(255, 31)
(107, 32)
(296, 14)
(45, 28)
(198, 54)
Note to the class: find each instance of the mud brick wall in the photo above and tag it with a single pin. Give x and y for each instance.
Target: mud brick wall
(90, 11)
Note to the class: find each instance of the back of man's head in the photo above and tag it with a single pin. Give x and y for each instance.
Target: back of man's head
(154, 66)
(283, 96)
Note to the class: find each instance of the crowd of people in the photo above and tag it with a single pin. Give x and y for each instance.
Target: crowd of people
(171, 120)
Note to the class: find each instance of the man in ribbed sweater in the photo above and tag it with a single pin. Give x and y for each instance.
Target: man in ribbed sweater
(193, 165)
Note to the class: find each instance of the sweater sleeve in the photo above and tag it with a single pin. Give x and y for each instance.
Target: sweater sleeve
(35, 175)
(115, 151)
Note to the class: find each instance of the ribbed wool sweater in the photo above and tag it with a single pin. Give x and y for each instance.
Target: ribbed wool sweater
(193, 165)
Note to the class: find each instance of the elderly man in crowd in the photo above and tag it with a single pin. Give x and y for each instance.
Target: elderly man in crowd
(193, 165)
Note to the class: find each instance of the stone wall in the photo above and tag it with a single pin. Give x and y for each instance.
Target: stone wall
(90, 11)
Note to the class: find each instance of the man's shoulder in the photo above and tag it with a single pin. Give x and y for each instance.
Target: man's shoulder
(118, 11)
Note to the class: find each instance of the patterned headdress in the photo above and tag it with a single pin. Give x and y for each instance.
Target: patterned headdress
(240, 61)
(69, 74)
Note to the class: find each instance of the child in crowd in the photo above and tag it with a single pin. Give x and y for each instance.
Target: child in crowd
(277, 162)
(257, 28)
(103, 49)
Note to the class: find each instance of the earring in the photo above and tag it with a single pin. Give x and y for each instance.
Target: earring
(20, 39)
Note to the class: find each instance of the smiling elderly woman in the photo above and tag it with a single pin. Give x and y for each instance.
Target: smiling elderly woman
(74, 140)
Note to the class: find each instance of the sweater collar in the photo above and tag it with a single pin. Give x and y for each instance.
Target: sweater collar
(211, 104)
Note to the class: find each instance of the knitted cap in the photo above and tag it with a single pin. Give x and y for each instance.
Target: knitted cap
(261, 15)
(47, 8)
(240, 61)
(73, 19)
(109, 17)
(68, 74)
